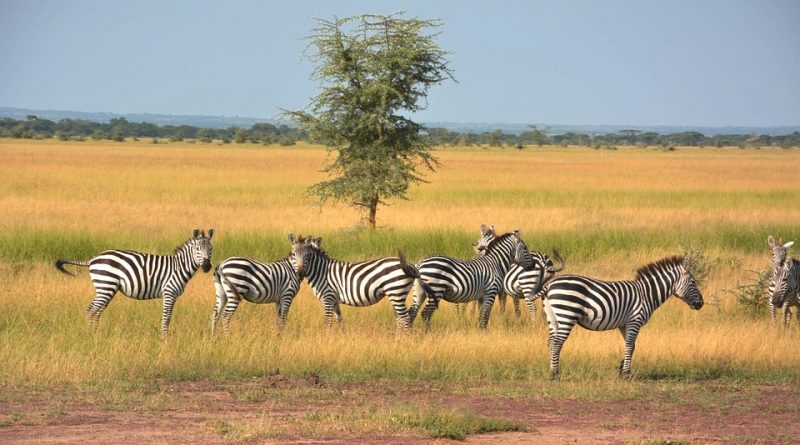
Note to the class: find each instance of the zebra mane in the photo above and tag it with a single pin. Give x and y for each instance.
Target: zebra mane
(664, 263)
(185, 243)
(498, 240)
(320, 251)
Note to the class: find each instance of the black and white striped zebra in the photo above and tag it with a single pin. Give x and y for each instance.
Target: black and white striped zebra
(520, 284)
(625, 305)
(237, 279)
(777, 261)
(461, 281)
(358, 284)
(786, 285)
(143, 276)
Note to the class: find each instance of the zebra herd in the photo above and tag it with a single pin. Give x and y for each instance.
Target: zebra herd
(503, 266)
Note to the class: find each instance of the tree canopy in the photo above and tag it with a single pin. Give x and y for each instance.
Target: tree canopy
(372, 68)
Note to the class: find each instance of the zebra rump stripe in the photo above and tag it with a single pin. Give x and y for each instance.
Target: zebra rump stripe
(144, 276)
(625, 305)
(357, 284)
(237, 279)
(461, 281)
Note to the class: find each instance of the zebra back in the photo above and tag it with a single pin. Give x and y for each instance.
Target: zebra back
(259, 282)
(359, 283)
(462, 280)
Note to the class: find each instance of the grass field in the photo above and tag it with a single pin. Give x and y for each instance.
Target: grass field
(608, 212)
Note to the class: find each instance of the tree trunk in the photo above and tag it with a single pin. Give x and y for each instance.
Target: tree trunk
(373, 209)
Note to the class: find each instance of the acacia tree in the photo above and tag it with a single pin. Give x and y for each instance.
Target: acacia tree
(370, 69)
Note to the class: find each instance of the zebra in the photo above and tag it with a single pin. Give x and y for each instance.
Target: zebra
(461, 281)
(519, 283)
(364, 283)
(144, 276)
(786, 285)
(777, 260)
(625, 305)
(239, 278)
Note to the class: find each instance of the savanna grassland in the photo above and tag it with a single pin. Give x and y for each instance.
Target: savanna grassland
(718, 375)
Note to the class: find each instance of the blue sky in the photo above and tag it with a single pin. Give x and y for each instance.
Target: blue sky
(710, 63)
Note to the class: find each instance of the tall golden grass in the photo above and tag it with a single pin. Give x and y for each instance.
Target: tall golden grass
(149, 197)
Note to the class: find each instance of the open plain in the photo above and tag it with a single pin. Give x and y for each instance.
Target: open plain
(720, 375)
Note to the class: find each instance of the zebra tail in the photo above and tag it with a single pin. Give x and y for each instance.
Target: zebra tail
(60, 265)
(560, 260)
(409, 269)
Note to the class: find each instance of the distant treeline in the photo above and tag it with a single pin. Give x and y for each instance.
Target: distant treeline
(536, 137)
(119, 129)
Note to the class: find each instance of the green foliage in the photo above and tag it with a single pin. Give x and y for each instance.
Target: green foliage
(371, 68)
(752, 297)
(701, 266)
(240, 137)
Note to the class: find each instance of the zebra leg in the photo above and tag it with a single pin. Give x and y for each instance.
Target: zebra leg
(787, 314)
(427, 312)
(486, 311)
(517, 312)
(530, 303)
(557, 335)
(102, 297)
(328, 305)
(772, 310)
(221, 301)
(283, 310)
(166, 316)
(629, 333)
(399, 305)
(338, 312)
(501, 300)
(230, 308)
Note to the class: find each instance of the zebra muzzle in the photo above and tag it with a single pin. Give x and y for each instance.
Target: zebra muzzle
(206, 266)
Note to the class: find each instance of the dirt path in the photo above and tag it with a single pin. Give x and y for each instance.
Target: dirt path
(278, 409)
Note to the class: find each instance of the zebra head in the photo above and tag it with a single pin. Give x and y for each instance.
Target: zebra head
(777, 261)
(302, 248)
(522, 256)
(487, 236)
(779, 252)
(200, 245)
(780, 283)
(685, 286)
(297, 254)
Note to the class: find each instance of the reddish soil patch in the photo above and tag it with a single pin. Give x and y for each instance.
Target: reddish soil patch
(202, 412)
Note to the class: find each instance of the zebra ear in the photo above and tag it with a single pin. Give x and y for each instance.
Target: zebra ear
(517, 234)
(771, 241)
(789, 244)
(196, 233)
(318, 242)
(210, 233)
(291, 238)
(687, 263)
(491, 228)
(483, 229)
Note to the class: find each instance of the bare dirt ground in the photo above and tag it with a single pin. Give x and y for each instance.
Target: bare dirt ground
(307, 410)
